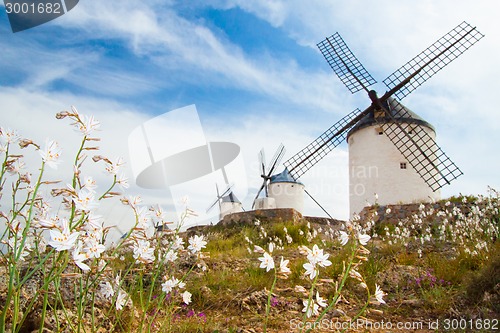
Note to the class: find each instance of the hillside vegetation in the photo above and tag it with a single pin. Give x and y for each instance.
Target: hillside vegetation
(436, 270)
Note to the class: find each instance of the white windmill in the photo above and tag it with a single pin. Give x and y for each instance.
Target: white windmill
(281, 190)
(228, 203)
(392, 151)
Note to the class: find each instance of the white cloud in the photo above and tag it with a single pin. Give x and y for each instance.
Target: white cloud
(459, 101)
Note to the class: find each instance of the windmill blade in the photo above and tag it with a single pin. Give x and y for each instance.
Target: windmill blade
(258, 193)
(280, 152)
(420, 149)
(298, 164)
(227, 191)
(343, 62)
(433, 59)
(262, 161)
(213, 204)
(219, 196)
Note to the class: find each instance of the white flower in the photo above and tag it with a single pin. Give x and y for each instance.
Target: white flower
(8, 136)
(93, 248)
(85, 200)
(379, 294)
(167, 286)
(122, 299)
(311, 270)
(171, 256)
(88, 124)
(300, 289)
(78, 259)
(178, 243)
(50, 223)
(258, 249)
(171, 283)
(271, 247)
(344, 238)
(316, 256)
(50, 155)
(143, 252)
(320, 300)
(310, 308)
(107, 290)
(90, 184)
(114, 167)
(283, 269)
(363, 239)
(267, 262)
(196, 243)
(186, 297)
(63, 239)
(122, 181)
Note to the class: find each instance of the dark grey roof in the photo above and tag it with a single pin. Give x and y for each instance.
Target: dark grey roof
(283, 177)
(230, 198)
(398, 111)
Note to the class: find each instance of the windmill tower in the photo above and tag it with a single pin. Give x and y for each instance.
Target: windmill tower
(407, 142)
(377, 166)
(228, 203)
(286, 191)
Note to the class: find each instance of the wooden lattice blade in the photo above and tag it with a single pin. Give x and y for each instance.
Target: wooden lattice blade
(278, 156)
(305, 159)
(343, 62)
(418, 148)
(422, 67)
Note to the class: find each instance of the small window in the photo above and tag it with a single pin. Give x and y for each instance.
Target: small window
(402, 165)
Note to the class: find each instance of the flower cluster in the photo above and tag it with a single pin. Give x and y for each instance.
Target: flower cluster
(54, 232)
(469, 224)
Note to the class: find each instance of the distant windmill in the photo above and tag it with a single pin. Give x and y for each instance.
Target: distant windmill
(405, 164)
(227, 201)
(267, 173)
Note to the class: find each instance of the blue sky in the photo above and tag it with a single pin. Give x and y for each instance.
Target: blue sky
(253, 70)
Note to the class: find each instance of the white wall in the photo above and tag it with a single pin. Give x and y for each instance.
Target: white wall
(374, 168)
(288, 195)
(227, 208)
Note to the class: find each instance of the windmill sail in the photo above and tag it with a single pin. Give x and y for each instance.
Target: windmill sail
(418, 147)
(305, 159)
(433, 59)
(266, 174)
(220, 196)
(343, 62)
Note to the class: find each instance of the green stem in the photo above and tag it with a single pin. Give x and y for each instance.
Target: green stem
(109, 189)
(339, 290)
(309, 301)
(268, 305)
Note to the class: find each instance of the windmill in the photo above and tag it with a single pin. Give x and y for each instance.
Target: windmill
(228, 203)
(267, 174)
(409, 141)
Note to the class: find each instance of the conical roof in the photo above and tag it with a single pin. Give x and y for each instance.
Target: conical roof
(398, 111)
(230, 198)
(283, 177)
